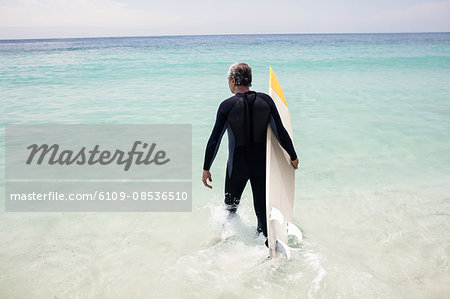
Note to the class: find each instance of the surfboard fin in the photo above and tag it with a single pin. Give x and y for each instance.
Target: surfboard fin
(276, 214)
(293, 230)
(283, 248)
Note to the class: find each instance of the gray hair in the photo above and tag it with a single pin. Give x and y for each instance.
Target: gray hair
(241, 72)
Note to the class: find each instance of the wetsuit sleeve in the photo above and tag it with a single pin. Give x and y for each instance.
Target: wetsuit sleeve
(281, 133)
(214, 140)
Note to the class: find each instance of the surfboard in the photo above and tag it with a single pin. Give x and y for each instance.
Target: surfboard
(280, 181)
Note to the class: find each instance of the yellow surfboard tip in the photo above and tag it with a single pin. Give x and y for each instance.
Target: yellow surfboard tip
(275, 85)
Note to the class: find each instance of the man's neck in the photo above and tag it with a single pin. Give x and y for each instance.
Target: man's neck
(241, 89)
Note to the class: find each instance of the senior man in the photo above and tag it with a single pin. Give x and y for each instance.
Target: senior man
(245, 116)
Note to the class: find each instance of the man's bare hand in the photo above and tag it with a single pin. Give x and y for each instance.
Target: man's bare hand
(206, 176)
(295, 163)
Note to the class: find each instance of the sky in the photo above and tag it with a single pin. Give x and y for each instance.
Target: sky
(95, 18)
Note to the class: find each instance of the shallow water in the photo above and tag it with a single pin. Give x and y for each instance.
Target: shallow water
(371, 119)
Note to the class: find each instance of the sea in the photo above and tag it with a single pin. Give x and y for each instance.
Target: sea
(371, 125)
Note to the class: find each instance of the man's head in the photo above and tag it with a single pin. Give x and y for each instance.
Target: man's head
(239, 77)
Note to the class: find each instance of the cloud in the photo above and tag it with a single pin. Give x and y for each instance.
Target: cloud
(430, 16)
(78, 13)
(82, 18)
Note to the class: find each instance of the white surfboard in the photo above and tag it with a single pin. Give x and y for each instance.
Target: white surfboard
(280, 181)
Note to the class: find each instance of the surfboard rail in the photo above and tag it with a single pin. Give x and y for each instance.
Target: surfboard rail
(280, 181)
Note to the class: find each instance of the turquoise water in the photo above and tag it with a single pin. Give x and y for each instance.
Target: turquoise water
(371, 121)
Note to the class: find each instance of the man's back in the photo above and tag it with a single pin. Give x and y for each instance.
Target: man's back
(246, 116)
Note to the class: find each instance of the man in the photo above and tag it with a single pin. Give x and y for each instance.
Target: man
(246, 116)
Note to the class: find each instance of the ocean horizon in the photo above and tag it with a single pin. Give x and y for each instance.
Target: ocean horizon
(221, 34)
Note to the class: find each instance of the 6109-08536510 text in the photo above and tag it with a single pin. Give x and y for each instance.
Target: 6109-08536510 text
(95, 155)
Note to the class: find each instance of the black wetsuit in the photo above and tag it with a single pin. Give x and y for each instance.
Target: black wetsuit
(246, 116)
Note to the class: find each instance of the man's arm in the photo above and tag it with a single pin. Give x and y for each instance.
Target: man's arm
(213, 144)
(281, 133)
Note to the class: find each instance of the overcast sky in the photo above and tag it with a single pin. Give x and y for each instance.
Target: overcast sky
(89, 18)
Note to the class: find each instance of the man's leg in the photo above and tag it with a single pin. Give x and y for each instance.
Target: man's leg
(258, 184)
(234, 186)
